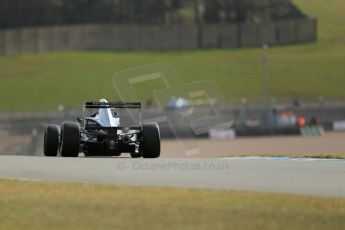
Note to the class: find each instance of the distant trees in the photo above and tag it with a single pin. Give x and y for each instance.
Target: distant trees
(21, 13)
(253, 11)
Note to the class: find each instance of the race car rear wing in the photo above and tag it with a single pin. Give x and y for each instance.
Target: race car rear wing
(116, 105)
(112, 105)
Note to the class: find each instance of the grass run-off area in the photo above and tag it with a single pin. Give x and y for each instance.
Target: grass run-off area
(43, 205)
(297, 155)
(43, 81)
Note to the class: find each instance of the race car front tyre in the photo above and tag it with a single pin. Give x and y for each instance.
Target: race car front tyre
(151, 145)
(51, 140)
(70, 139)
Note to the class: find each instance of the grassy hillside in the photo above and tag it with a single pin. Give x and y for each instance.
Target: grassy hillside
(310, 70)
(331, 18)
(32, 205)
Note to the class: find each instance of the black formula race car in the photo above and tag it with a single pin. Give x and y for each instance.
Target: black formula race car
(100, 133)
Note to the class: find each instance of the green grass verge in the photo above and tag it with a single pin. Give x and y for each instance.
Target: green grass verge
(297, 155)
(29, 82)
(38, 205)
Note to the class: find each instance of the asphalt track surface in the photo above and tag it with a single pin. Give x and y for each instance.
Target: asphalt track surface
(305, 177)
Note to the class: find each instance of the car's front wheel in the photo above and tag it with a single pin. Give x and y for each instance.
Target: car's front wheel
(51, 140)
(70, 139)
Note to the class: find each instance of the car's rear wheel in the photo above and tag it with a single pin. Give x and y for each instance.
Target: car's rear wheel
(151, 145)
(51, 140)
(136, 155)
(70, 139)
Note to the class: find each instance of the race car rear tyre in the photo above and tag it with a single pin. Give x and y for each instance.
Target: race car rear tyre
(51, 140)
(136, 155)
(151, 145)
(70, 139)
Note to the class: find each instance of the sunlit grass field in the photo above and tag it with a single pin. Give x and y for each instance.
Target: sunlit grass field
(297, 155)
(41, 205)
(43, 81)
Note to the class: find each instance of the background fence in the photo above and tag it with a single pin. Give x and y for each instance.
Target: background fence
(122, 37)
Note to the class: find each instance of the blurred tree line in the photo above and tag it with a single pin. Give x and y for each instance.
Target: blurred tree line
(24, 13)
(253, 11)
